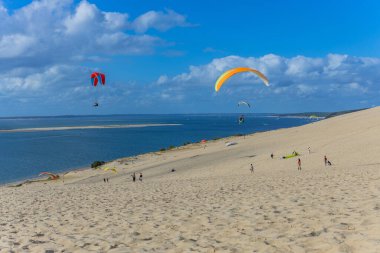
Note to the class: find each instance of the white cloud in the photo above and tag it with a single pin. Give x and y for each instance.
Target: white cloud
(115, 20)
(43, 44)
(331, 76)
(304, 89)
(120, 43)
(15, 44)
(83, 19)
(161, 21)
(334, 61)
(301, 66)
(3, 10)
(19, 79)
(162, 79)
(55, 77)
(63, 31)
(356, 87)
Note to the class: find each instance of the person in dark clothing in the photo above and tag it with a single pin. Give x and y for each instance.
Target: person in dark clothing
(133, 177)
(271, 155)
(241, 119)
(326, 160)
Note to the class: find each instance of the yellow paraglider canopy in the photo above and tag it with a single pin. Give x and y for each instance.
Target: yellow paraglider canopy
(234, 71)
(111, 169)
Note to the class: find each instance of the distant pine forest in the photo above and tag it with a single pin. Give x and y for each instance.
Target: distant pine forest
(318, 114)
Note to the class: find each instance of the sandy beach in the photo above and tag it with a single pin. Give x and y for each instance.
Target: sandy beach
(44, 129)
(212, 202)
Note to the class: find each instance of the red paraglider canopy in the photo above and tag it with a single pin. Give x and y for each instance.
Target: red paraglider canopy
(51, 175)
(97, 77)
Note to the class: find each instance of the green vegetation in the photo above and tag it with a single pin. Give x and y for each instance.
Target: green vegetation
(168, 148)
(334, 114)
(96, 164)
(317, 114)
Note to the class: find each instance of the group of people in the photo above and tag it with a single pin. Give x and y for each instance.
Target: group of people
(299, 162)
(105, 180)
(327, 162)
(134, 177)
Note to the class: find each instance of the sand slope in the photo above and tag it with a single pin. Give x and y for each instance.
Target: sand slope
(212, 202)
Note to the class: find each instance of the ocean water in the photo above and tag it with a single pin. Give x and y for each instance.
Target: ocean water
(25, 154)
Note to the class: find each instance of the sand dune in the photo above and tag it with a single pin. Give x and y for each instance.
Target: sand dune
(43, 129)
(212, 202)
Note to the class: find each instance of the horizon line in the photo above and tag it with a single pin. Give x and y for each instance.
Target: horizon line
(135, 114)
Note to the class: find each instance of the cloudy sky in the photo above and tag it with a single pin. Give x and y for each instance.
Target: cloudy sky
(164, 56)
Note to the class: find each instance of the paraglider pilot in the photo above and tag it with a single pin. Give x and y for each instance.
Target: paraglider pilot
(241, 119)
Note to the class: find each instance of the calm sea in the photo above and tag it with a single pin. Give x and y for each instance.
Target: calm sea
(25, 155)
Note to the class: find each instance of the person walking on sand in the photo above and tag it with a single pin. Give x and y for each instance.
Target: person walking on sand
(133, 177)
(252, 169)
(326, 161)
(308, 150)
(271, 155)
(141, 176)
(299, 164)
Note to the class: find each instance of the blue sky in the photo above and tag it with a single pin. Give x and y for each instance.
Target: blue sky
(164, 56)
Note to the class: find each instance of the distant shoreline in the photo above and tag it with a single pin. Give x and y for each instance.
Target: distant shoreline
(296, 117)
(44, 129)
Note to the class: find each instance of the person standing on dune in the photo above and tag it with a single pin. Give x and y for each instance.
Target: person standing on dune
(299, 164)
(252, 169)
(134, 177)
(325, 161)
